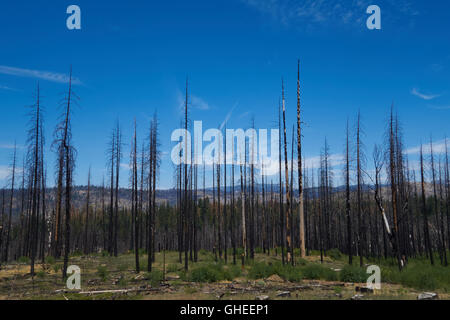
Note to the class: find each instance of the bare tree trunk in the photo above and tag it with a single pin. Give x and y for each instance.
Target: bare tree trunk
(86, 230)
(435, 202)
(347, 199)
(135, 201)
(8, 231)
(243, 201)
(299, 170)
(392, 174)
(358, 174)
(118, 155)
(288, 196)
(425, 212)
(282, 238)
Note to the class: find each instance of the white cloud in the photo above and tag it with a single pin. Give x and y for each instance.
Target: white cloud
(44, 75)
(125, 166)
(4, 172)
(272, 168)
(438, 148)
(424, 96)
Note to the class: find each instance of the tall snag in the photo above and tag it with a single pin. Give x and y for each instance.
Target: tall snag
(299, 170)
(8, 230)
(288, 195)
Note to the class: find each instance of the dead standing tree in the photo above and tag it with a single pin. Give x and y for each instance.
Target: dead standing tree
(347, 198)
(134, 198)
(428, 245)
(34, 161)
(288, 195)
(8, 230)
(118, 156)
(69, 161)
(299, 169)
(65, 166)
(378, 165)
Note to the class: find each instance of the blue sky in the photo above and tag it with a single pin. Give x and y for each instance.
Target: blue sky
(131, 58)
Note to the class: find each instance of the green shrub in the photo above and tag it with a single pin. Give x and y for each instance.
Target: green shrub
(212, 272)
(208, 273)
(56, 267)
(353, 274)
(317, 271)
(123, 267)
(77, 253)
(50, 260)
(122, 282)
(173, 267)
(261, 270)
(313, 271)
(301, 262)
(102, 272)
(155, 277)
(143, 264)
(40, 274)
(290, 273)
(25, 260)
(334, 254)
(419, 275)
(231, 272)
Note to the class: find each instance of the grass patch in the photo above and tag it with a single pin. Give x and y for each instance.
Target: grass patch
(334, 254)
(102, 272)
(419, 275)
(25, 260)
(353, 274)
(319, 272)
(213, 272)
(155, 277)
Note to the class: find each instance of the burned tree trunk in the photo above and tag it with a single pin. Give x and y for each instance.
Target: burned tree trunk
(299, 170)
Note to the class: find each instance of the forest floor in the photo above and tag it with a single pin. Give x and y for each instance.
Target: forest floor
(206, 280)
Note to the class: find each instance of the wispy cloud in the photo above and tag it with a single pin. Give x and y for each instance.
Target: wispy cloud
(125, 166)
(199, 103)
(438, 148)
(9, 146)
(2, 87)
(424, 96)
(244, 114)
(439, 107)
(310, 12)
(272, 168)
(195, 102)
(4, 172)
(43, 75)
(228, 116)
